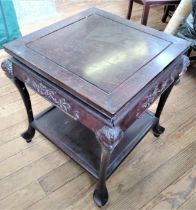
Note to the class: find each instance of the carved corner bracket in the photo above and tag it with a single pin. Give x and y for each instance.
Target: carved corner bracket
(109, 137)
(8, 68)
(185, 64)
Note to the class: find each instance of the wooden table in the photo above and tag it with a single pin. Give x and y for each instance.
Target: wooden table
(101, 73)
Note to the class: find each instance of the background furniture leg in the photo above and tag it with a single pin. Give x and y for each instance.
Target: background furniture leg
(30, 132)
(145, 14)
(130, 9)
(166, 13)
(157, 129)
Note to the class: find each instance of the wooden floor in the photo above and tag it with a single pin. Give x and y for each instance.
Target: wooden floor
(159, 174)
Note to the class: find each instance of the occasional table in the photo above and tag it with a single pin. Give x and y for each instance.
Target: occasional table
(101, 73)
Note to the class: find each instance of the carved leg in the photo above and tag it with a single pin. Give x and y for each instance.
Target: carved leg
(130, 9)
(30, 132)
(157, 129)
(108, 139)
(100, 195)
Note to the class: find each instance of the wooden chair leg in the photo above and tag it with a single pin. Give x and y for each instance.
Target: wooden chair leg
(145, 14)
(166, 13)
(130, 9)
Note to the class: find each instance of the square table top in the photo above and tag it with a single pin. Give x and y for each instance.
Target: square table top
(100, 58)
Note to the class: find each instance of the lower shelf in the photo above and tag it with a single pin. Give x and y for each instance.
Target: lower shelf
(80, 143)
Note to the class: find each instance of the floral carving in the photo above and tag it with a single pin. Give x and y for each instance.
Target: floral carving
(161, 87)
(53, 97)
(109, 137)
(76, 115)
(149, 99)
(7, 67)
(152, 97)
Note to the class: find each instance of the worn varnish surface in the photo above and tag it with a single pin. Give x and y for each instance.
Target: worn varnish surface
(38, 176)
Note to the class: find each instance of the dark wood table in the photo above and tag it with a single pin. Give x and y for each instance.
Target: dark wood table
(101, 73)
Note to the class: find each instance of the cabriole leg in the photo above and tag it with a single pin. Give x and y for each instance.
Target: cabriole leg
(157, 129)
(108, 139)
(30, 132)
(100, 195)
